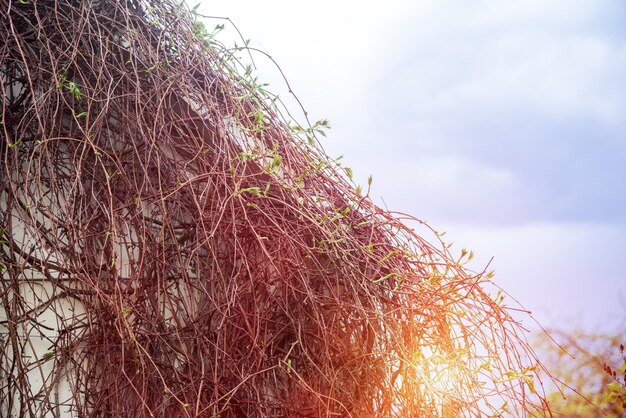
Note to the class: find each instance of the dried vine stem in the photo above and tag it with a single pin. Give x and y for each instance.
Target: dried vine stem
(181, 250)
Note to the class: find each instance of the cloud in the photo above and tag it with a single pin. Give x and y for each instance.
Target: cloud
(563, 76)
(535, 89)
(461, 188)
(532, 88)
(321, 45)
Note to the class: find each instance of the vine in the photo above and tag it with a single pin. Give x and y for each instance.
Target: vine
(180, 246)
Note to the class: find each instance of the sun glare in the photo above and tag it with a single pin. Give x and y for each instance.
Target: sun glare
(439, 375)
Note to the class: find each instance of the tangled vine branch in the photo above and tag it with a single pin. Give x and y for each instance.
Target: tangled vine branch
(179, 248)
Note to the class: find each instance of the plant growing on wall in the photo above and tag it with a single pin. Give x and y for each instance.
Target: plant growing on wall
(174, 245)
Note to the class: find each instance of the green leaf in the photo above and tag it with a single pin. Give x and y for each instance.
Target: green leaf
(614, 387)
(256, 191)
(275, 164)
(348, 172)
(531, 384)
(47, 356)
(245, 155)
(73, 88)
(388, 256)
(385, 277)
(62, 78)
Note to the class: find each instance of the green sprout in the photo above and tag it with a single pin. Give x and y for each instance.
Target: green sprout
(73, 88)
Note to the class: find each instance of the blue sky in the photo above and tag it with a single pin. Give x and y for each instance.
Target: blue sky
(500, 122)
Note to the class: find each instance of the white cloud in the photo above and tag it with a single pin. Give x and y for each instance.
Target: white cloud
(444, 188)
(507, 56)
(536, 88)
(322, 46)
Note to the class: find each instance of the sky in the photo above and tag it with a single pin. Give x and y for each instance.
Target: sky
(500, 122)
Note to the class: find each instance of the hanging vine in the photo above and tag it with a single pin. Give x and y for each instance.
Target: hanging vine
(180, 247)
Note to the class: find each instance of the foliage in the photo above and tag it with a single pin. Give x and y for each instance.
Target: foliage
(184, 247)
(591, 368)
(616, 390)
